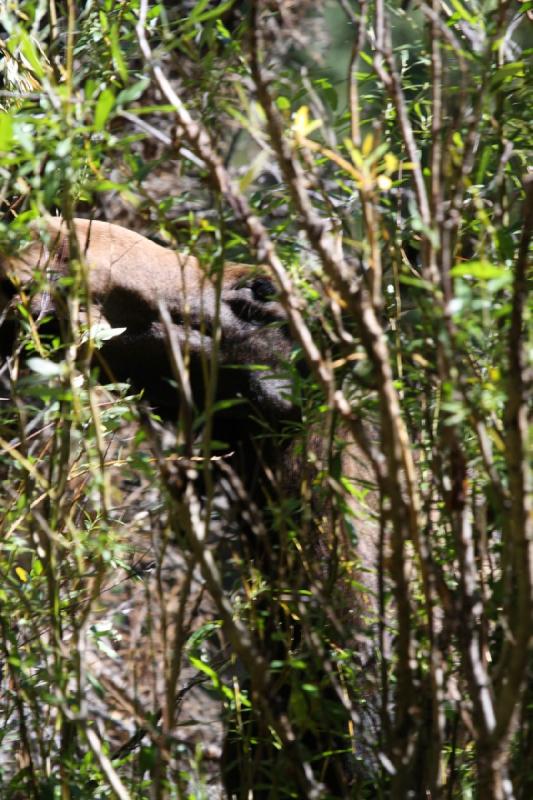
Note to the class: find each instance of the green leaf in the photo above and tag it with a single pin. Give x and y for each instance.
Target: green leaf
(481, 270)
(6, 131)
(201, 666)
(283, 103)
(162, 109)
(223, 31)
(463, 13)
(103, 21)
(103, 109)
(196, 12)
(29, 51)
(90, 88)
(37, 567)
(132, 92)
(199, 636)
(199, 15)
(410, 280)
(254, 170)
(106, 185)
(376, 154)
(506, 73)
(484, 162)
(117, 53)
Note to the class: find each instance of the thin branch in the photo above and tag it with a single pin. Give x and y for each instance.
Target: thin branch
(161, 137)
(436, 123)
(106, 766)
(353, 88)
(516, 653)
(391, 81)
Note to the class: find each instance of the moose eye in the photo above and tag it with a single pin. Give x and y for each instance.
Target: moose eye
(263, 290)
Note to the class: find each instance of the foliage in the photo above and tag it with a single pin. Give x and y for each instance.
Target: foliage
(380, 643)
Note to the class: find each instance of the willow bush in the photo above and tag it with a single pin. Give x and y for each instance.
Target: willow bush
(373, 155)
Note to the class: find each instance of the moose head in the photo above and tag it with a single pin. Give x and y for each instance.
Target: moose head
(233, 320)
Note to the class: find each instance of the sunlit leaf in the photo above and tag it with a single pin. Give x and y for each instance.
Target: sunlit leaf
(118, 59)
(45, 367)
(133, 92)
(6, 131)
(368, 144)
(31, 54)
(302, 126)
(391, 162)
(22, 574)
(103, 109)
(481, 270)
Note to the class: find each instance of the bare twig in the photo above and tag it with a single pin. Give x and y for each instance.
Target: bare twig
(106, 766)
(161, 136)
(353, 90)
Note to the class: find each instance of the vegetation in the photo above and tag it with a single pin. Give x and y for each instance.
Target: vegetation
(373, 155)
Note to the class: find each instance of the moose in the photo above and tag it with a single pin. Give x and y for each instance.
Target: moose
(234, 318)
